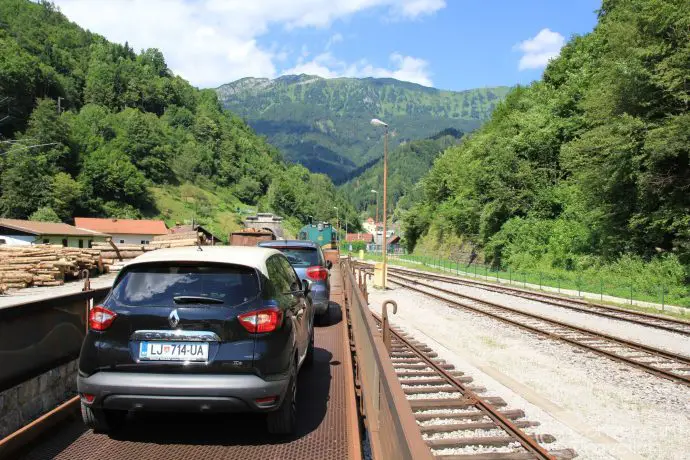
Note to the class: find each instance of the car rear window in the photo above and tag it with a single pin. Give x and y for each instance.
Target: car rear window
(154, 285)
(301, 257)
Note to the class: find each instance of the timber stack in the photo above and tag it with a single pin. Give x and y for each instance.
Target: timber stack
(44, 265)
(115, 255)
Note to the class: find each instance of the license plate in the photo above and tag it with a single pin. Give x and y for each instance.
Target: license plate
(173, 351)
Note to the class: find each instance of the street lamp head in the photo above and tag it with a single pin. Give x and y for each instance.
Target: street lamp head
(377, 122)
(374, 191)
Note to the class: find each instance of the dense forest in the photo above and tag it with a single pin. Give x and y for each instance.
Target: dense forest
(589, 166)
(89, 127)
(324, 124)
(406, 165)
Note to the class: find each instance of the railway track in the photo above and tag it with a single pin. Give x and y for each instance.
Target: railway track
(646, 319)
(652, 360)
(455, 421)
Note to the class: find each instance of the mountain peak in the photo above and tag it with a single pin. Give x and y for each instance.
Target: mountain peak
(323, 123)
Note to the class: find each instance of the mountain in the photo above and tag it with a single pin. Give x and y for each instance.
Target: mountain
(324, 124)
(406, 165)
(91, 128)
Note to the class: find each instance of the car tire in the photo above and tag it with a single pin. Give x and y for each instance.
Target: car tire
(283, 421)
(325, 317)
(309, 358)
(101, 421)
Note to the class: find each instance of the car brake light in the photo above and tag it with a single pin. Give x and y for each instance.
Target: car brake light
(266, 320)
(88, 398)
(100, 318)
(317, 273)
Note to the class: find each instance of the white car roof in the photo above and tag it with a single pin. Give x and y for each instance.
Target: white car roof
(249, 256)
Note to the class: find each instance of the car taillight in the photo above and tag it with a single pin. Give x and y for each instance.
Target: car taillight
(100, 318)
(317, 273)
(266, 320)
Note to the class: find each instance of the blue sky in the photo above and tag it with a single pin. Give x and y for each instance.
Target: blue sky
(450, 44)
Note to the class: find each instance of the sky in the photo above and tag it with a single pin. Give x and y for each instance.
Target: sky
(448, 44)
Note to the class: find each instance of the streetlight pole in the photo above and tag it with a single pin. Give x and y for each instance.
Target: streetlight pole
(337, 224)
(384, 248)
(376, 222)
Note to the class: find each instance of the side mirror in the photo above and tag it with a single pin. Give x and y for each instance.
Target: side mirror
(329, 264)
(307, 286)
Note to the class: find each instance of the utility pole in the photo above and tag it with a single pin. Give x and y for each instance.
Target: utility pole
(384, 248)
(59, 105)
(376, 222)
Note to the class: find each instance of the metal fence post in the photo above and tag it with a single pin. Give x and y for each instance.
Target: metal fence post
(631, 292)
(663, 291)
(601, 288)
(540, 281)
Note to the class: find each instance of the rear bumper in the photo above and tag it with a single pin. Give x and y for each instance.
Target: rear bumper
(170, 392)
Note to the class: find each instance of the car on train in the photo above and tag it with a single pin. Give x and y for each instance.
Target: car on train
(200, 329)
(307, 258)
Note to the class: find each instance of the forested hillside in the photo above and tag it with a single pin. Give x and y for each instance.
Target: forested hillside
(324, 123)
(93, 128)
(406, 165)
(588, 166)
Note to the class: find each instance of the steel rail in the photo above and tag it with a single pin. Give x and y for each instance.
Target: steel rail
(666, 323)
(525, 440)
(597, 335)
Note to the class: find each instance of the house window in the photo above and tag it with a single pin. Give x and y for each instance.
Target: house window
(81, 243)
(122, 241)
(46, 241)
(90, 244)
(144, 241)
(64, 242)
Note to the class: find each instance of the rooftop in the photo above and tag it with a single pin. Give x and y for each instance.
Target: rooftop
(48, 228)
(249, 256)
(122, 226)
(366, 237)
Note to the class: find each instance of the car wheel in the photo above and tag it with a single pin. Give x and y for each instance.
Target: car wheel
(101, 421)
(284, 420)
(309, 358)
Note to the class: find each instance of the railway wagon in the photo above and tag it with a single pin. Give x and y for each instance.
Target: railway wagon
(322, 234)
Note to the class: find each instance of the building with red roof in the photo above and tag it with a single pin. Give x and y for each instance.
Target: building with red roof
(124, 231)
(366, 237)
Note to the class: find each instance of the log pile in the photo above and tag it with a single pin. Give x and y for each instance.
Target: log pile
(52, 265)
(115, 255)
(44, 265)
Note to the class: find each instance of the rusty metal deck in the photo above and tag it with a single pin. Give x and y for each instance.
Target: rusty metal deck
(327, 427)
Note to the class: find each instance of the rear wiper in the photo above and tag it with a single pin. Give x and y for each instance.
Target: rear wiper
(196, 299)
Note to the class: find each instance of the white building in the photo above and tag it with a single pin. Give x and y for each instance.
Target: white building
(15, 232)
(124, 231)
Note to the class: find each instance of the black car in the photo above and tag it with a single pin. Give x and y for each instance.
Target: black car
(213, 329)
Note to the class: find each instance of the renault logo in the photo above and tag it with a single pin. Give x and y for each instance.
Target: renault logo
(174, 318)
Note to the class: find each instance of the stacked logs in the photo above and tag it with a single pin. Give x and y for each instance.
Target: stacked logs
(52, 265)
(114, 255)
(44, 265)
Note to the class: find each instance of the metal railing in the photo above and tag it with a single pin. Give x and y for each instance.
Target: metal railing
(393, 431)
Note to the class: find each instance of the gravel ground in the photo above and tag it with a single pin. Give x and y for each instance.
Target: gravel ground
(598, 407)
(666, 340)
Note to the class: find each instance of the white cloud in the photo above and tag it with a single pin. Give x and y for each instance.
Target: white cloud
(211, 42)
(335, 38)
(326, 65)
(538, 50)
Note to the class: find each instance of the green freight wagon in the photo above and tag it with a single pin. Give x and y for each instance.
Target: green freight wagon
(322, 234)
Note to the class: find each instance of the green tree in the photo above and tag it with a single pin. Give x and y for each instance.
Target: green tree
(44, 214)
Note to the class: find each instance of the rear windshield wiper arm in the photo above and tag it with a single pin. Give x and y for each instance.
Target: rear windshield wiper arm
(196, 299)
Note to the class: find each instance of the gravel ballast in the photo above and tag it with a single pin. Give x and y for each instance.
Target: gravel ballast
(601, 408)
(671, 341)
